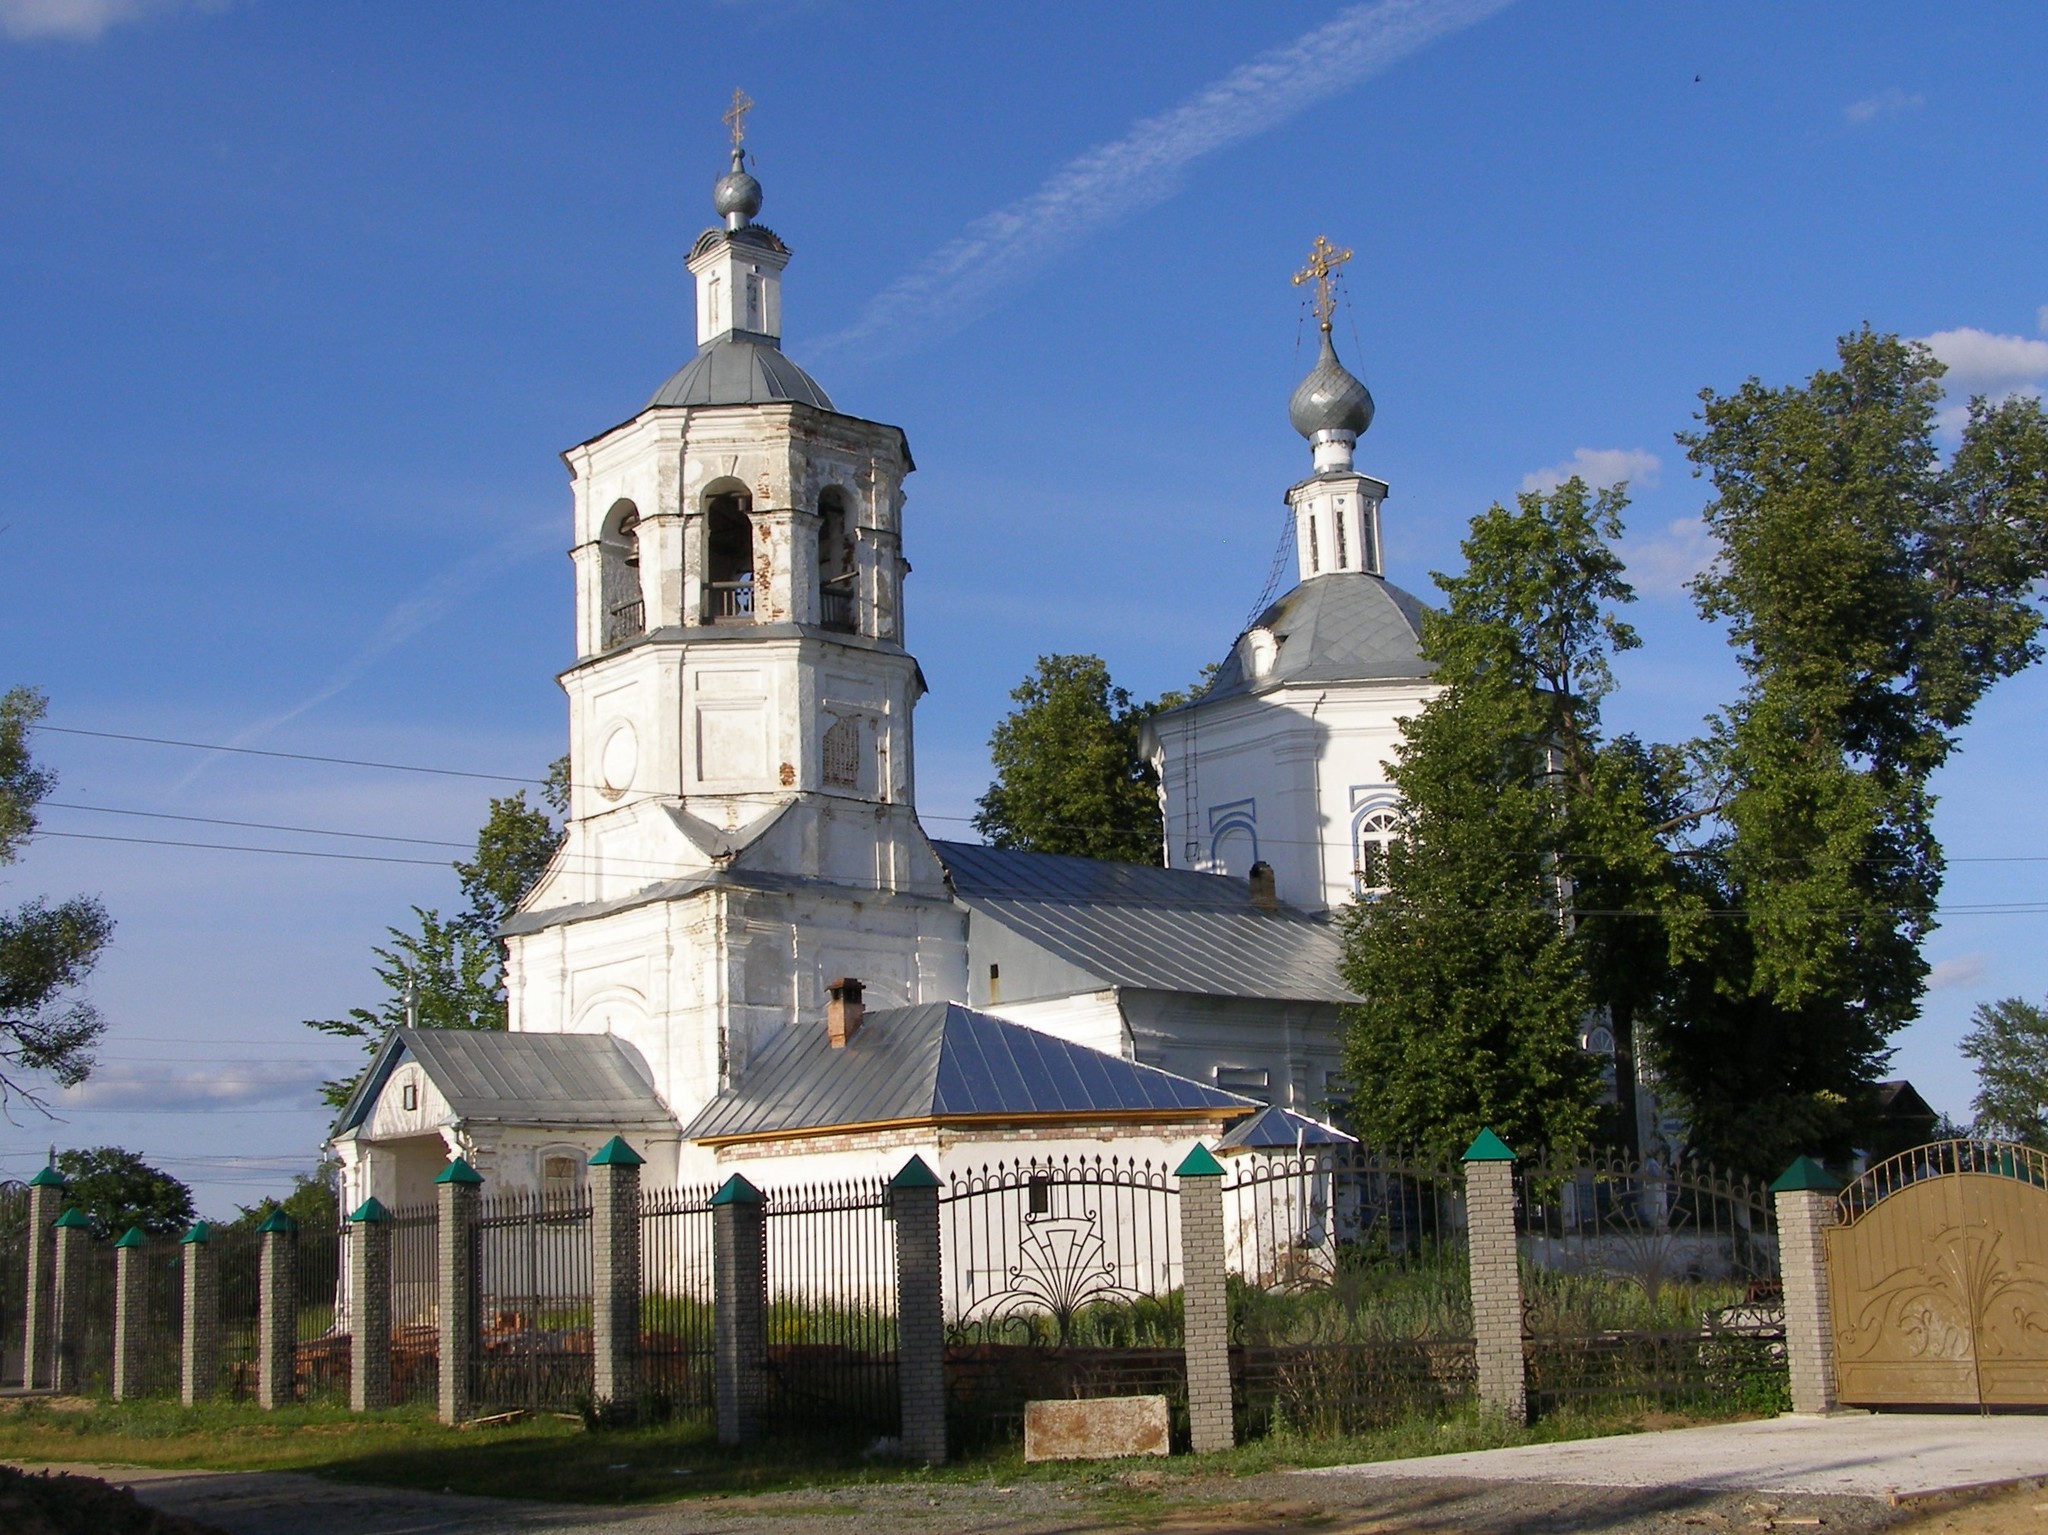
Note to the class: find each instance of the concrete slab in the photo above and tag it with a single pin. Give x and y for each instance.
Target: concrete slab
(1875, 1455)
(1096, 1428)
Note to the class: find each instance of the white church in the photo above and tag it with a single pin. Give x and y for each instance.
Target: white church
(747, 953)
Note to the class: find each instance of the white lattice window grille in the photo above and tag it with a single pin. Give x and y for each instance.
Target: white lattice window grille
(1374, 834)
(841, 751)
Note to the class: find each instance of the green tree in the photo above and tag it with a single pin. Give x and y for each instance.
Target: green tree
(117, 1189)
(46, 950)
(314, 1200)
(512, 850)
(2008, 1040)
(1872, 593)
(1068, 775)
(1477, 971)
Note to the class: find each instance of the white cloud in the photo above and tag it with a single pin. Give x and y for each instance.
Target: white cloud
(960, 281)
(1887, 103)
(1981, 362)
(1599, 468)
(1661, 564)
(84, 21)
(1963, 970)
(202, 1085)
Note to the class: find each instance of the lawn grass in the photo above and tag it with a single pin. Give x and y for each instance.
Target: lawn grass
(553, 1460)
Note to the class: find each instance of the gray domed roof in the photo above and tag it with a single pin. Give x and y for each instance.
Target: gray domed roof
(736, 194)
(1330, 399)
(1345, 627)
(734, 370)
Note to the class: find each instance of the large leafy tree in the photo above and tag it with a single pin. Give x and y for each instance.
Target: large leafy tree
(448, 972)
(46, 949)
(1069, 778)
(2008, 1040)
(1873, 593)
(1477, 968)
(116, 1189)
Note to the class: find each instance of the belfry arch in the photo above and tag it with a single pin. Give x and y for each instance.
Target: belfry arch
(728, 553)
(624, 603)
(838, 573)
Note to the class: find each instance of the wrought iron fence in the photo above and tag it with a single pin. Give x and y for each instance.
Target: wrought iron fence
(533, 1302)
(626, 621)
(321, 1367)
(91, 1347)
(831, 1308)
(163, 1272)
(676, 1315)
(1350, 1288)
(1062, 1278)
(415, 1303)
(14, 1203)
(1940, 1159)
(1650, 1279)
(238, 1267)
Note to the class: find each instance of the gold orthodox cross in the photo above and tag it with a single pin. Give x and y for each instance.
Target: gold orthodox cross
(1323, 261)
(735, 116)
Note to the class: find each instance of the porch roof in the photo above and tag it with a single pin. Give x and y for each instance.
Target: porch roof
(527, 1079)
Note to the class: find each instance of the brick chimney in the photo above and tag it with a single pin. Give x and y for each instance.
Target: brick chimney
(1264, 895)
(843, 1011)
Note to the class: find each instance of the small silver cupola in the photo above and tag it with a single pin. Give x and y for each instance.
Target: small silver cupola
(736, 195)
(1331, 407)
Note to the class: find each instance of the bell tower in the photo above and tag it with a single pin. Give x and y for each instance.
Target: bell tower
(1336, 509)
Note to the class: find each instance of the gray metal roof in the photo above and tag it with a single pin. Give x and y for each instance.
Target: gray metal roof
(941, 1061)
(1150, 928)
(1276, 1129)
(547, 1079)
(739, 369)
(1344, 627)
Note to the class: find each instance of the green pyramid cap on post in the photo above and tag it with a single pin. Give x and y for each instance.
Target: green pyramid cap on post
(1806, 1175)
(73, 1218)
(736, 1191)
(200, 1234)
(134, 1236)
(915, 1174)
(371, 1211)
(616, 1153)
(1487, 1147)
(460, 1172)
(277, 1220)
(48, 1178)
(1199, 1163)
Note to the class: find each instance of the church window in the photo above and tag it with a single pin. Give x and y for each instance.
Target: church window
(729, 557)
(995, 985)
(409, 1096)
(1372, 834)
(837, 598)
(1315, 548)
(624, 609)
(1038, 1194)
(1337, 524)
(1252, 1081)
(561, 1179)
(841, 752)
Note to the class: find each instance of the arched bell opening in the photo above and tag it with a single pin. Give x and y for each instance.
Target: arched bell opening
(624, 604)
(838, 594)
(728, 555)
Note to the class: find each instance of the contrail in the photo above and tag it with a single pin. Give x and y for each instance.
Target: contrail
(959, 282)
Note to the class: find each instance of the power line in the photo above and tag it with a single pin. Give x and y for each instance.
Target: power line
(252, 751)
(308, 831)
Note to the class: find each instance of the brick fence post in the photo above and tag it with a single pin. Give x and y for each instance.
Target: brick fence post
(74, 1232)
(199, 1323)
(369, 1284)
(39, 1333)
(457, 1190)
(1205, 1302)
(920, 1312)
(739, 1266)
(1496, 1277)
(131, 1312)
(1805, 1196)
(615, 1274)
(277, 1313)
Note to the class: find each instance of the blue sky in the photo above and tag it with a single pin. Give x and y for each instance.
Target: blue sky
(301, 302)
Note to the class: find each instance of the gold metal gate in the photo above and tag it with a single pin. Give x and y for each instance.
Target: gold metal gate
(1938, 1279)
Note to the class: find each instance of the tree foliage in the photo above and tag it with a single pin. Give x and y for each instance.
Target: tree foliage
(1069, 778)
(1873, 593)
(116, 1189)
(2008, 1040)
(46, 949)
(448, 972)
(1476, 973)
(314, 1200)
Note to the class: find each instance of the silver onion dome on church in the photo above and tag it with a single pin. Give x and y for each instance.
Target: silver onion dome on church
(736, 195)
(1330, 399)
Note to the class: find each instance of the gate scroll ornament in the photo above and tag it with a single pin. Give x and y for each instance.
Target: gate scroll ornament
(1062, 1266)
(1938, 1278)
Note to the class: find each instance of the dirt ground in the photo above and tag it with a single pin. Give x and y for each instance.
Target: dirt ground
(1281, 1503)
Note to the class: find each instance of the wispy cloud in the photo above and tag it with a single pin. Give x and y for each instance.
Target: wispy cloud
(1599, 468)
(1984, 362)
(425, 606)
(961, 280)
(1661, 564)
(199, 1086)
(86, 21)
(1889, 103)
(1963, 970)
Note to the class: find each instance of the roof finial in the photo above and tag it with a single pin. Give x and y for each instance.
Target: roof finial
(736, 195)
(1323, 261)
(735, 116)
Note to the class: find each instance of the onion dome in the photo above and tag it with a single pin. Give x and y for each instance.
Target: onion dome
(1330, 399)
(736, 195)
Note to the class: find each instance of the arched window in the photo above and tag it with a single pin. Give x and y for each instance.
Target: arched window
(1373, 831)
(625, 610)
(837, 599)
(561, 1179)
(729, 556)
